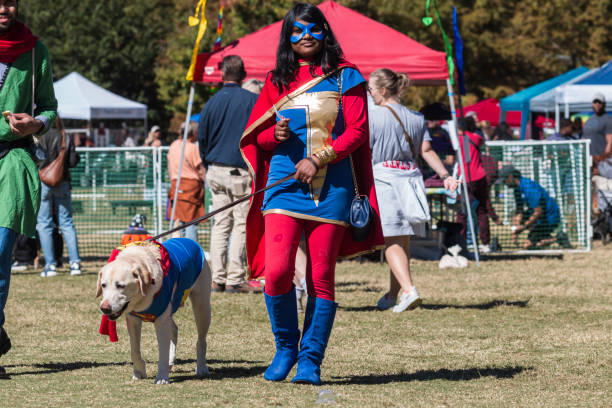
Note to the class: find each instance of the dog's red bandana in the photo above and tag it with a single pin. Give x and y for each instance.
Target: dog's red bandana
(109, 327)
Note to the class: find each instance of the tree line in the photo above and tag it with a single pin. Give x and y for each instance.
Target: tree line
(141, 49)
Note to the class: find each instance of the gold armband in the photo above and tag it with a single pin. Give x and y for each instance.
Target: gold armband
(325, 155)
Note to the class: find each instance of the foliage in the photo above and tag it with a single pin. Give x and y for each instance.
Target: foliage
(141, 49)
(530, 332)
(113, 43)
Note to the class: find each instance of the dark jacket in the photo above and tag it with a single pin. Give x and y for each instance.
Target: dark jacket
(222, 122)
(51, 142)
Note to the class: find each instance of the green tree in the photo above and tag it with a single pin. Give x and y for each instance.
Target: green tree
(113, 42)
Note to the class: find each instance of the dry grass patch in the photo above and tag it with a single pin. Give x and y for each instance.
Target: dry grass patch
(512, 333)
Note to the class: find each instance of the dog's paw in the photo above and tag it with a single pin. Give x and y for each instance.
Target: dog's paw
(202, 371)
(162, 381)
(139, 376)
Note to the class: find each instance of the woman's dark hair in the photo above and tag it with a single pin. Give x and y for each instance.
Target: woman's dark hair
(468, 123)
(286, 59)
(502, 132)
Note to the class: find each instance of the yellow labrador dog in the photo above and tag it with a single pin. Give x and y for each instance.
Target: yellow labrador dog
(150, 282)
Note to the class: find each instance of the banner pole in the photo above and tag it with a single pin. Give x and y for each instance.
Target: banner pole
(466, 199)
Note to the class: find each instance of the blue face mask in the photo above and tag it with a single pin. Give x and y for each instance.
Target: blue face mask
(295, 38)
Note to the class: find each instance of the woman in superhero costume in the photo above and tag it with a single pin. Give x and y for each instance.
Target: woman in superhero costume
(311, 118)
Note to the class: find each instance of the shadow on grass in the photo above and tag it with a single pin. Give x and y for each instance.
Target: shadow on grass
(52, 368)
(369, 308)
(479, 306)
(437, 306)
(220, 373)
(431, 375)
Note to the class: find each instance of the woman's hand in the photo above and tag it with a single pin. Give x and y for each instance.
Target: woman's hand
(281, 131)
(305, 170)
(451, 183)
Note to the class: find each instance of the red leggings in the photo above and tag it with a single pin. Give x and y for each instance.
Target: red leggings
(282, 237)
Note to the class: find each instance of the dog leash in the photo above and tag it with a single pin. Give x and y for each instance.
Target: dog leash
(225, 207)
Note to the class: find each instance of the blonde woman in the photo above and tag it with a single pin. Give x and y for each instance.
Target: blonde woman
(397, 136)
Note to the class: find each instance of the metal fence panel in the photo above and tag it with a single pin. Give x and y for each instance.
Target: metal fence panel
(555, 178)
(110, 186)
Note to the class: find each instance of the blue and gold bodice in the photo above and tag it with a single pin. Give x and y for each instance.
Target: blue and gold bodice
(315, 120)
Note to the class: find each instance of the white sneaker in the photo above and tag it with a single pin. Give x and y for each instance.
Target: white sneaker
(386, 302)
(484, 249)
(48, 271)
(75, 269)
(408, 301)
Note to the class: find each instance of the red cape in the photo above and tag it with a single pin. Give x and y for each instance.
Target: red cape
(258, 160)
(16, 41)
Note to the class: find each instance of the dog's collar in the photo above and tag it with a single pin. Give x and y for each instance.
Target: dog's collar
(164, 259)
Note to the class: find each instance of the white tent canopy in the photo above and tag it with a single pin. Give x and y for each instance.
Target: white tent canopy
(545, 102)
(79, 98)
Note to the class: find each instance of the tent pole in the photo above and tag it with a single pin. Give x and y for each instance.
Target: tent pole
(185, 132)
(557, 114)
(466, 199)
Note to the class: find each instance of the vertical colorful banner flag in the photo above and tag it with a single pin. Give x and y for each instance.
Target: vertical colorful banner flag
(219, 29)
(201, 23)
(448, 48)
(458, 52)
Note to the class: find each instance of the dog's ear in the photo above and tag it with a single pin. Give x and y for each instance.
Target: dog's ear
(142, 272)
(99, 284)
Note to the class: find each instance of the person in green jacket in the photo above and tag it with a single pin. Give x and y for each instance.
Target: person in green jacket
(21, 55)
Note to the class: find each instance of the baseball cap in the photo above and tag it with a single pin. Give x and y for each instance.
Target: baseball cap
(599, 97)
(505, 172)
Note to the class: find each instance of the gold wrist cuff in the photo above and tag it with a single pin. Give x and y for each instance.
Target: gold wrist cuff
(325, 155)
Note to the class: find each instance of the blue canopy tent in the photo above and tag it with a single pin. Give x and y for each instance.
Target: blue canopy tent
(601, 76)
(520, 100)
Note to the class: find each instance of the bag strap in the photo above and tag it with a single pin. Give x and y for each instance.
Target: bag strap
(33, 80)
(406, 135)
(339, 80)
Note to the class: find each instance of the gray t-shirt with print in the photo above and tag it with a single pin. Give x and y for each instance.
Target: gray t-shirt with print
(387, 139)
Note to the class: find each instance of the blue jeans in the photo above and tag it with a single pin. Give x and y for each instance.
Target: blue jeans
(56, 200)
(7, 241)
(190, 232)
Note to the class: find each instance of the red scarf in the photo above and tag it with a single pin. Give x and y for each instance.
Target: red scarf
(16, 41)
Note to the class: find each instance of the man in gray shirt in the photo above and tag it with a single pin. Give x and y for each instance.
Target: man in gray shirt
(599, 129)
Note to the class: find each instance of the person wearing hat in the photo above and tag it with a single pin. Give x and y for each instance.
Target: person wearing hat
(598, 129)
(536, 211)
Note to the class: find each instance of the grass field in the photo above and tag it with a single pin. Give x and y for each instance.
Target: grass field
(527, 332)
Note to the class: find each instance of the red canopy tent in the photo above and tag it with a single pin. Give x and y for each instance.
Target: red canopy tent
(489, 109)
(366, 43)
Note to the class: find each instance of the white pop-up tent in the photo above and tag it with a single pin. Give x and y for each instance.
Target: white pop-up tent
(79, 98)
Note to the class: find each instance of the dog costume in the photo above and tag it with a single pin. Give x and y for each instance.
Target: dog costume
(182, 261)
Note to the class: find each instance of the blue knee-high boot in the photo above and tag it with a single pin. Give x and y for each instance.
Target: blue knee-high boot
(282, 311)
(318, 322)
